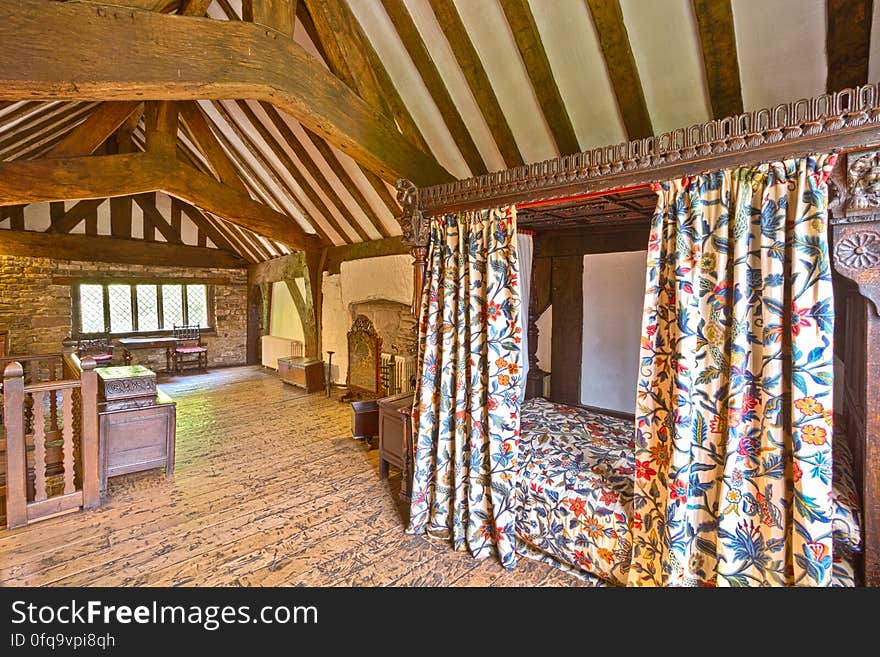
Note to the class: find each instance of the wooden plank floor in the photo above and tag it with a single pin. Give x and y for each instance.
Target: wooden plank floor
(269, 490)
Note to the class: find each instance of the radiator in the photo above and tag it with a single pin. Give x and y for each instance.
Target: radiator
(274, 348)
(398, 373)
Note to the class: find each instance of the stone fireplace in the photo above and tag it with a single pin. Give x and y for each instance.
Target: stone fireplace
(393, 321)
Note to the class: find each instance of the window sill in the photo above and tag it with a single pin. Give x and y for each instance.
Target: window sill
(206, 332)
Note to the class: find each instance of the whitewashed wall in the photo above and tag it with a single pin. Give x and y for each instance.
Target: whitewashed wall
(284, 321)
(370, 279)
(614, 292)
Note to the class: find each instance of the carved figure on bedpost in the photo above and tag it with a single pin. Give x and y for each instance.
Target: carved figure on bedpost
(416, 233)
(855, 217)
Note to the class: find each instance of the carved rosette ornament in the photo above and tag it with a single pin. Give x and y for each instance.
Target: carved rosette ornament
(859, 250)
(414, 224)
(863, 182)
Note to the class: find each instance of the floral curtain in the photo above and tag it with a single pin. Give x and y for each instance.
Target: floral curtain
(466, 415)
(733, 418)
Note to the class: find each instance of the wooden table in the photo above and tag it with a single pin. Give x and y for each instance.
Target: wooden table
(132, 344)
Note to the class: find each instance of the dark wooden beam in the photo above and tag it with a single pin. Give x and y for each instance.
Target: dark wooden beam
(531, 49)
(275, 14)
(718, 43)
(194, 7)
(98, 248)
(128, 54)
(207, 143)
(74, 216)
(418, 53)
(205, 226)
(40, 127)
(848, 42)
(568, 327)
(147, 204)
(104, 176)
(336, 29)
(336, 255)
(608, 19)
(85, 138)
(305, 157)
(280, 186)
(478, 81)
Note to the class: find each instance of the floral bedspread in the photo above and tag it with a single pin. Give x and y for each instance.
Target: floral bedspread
(846, 519)
(575, 489)
(575, 494)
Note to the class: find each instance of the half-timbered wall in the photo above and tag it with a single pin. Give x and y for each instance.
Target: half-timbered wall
(36, 305)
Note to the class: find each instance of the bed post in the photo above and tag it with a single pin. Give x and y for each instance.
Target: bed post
(415, 235)
(855, 218)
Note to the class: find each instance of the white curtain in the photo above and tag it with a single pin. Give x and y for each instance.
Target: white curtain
(524, 249)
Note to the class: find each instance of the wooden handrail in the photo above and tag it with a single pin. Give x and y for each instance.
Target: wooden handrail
(47, 386)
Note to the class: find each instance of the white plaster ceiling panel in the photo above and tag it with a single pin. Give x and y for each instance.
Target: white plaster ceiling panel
(671, 69)
(781, 50)
(575, 56)
(488, 30)
(137, 222)
(453, 77)
(409, 84)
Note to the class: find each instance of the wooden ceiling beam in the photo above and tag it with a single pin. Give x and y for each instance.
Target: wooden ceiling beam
(339, 170)
(279, 186)
(306, 159)
(531, 49)
(230, 231)
(718, 43)
(478, 81)
(418, 53)
(85, 138)
(621, 65)
(105, 176)
(275, 14)
(34, 131)
(207, 143)
(151, 214)
(72, 217)
(100, 248)
(376, 83)
(205, 226)
(128, 54)
(194, 7)
(848, 42)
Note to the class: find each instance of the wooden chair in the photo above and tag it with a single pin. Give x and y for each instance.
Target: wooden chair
(189, 349)
(100, 349)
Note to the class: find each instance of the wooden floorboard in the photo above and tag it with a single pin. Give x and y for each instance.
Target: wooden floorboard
(269, 489)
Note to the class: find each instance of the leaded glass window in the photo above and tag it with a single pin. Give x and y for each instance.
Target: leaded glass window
(91, 304)
(123, 308)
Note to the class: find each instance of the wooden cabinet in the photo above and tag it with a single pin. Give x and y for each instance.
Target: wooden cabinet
(395, 438)
(306, 373)
(136, 434)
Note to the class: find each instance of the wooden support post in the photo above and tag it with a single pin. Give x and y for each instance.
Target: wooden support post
(856, 256)
(91, 484)
(16, 463)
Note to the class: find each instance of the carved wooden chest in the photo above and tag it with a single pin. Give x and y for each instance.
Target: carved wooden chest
(126, 382)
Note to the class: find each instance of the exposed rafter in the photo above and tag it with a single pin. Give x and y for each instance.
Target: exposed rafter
(718, 44)
(224, 60)
(418, 53)
(531, 49)
(478, 81)
(848, 42)
(85, 138)
(614, 40)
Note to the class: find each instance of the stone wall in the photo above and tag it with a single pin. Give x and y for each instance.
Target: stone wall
(37, 311)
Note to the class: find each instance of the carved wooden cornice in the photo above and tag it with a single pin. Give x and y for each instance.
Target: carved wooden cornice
(836, 121)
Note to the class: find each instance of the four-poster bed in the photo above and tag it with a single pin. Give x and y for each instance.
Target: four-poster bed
(598, 201)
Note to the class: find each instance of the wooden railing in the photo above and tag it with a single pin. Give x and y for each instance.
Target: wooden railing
(51, 436)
